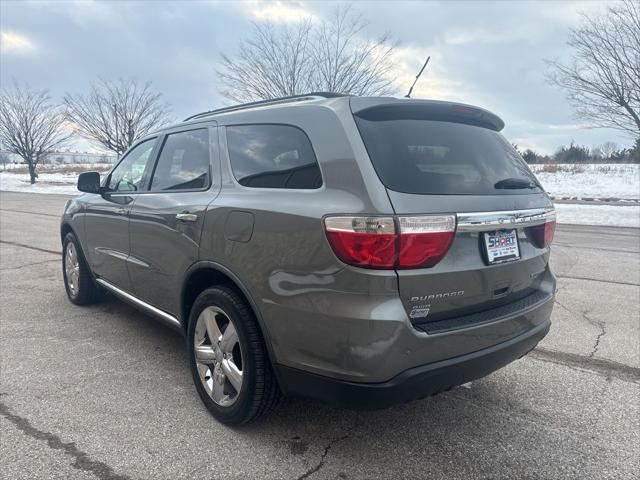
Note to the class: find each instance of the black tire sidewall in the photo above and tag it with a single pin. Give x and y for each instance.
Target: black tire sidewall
(241, 410)
(87, 290)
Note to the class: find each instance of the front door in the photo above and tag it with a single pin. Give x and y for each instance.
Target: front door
(166, 221)
(107, 216)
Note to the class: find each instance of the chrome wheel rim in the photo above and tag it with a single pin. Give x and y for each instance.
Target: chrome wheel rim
(218, 356)
(72, 268)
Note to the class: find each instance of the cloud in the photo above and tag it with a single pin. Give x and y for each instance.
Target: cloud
(86, 14)
(477, 35)
(278, 11)
(14, 43)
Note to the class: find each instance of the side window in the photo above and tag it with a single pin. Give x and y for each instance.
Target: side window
(184, 162)
(272, 156)
(127, 176)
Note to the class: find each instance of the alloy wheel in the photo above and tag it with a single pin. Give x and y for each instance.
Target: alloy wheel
(72, 268)
(218, 356)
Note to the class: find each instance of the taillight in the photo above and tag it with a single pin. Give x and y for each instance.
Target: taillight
(363, 241)
(542, 235)
(377, 242)
(425, 240)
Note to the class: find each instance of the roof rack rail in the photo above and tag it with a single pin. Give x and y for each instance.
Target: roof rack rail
(272, 101)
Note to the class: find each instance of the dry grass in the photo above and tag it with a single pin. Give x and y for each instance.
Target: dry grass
(555, 168)
(605, 169)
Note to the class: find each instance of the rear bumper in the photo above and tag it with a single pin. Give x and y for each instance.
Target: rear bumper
(418, 382)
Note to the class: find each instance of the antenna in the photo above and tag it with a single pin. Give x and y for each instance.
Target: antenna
(408, 95)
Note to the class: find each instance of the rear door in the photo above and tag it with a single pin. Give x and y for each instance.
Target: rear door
(107, 215)
(166, 220)
(455, 162)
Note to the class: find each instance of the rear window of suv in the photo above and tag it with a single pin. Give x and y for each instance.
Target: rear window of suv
(424, 156)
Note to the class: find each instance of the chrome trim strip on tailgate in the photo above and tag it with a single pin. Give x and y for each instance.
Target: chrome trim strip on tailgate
(478, 221)
(164, 316)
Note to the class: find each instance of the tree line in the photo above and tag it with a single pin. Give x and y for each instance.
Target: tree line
(608, 152)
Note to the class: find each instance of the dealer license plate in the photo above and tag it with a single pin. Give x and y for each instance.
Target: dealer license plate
(501, 246)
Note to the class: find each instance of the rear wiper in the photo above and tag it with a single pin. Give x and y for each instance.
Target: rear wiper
(515, 183)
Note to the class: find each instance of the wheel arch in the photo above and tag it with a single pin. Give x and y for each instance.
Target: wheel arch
(65, 228)
(204, 274)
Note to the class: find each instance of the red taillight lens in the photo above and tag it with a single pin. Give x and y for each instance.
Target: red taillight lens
(373, 242)
(549, 231)
(424, 240)
(364, 249)
(542, 235)
(363, 241)
(423, 249)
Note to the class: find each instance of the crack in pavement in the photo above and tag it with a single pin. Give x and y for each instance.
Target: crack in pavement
(81, 459)
(617, 282)
(599, 366)
(38, 249)
(11, 210)
(591, 321)
(323, 457)
(596, 345)
(28, 265)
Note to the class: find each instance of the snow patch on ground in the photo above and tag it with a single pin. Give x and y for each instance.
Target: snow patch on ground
(611, 215)
(596, 180)
(60, 179)
(47, 183)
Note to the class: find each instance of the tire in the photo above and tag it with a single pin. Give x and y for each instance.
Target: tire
(215, 363)
(78, 281)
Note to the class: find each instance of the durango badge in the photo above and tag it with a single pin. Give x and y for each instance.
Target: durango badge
(437, 296)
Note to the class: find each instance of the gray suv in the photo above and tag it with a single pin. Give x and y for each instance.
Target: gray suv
(362, 251)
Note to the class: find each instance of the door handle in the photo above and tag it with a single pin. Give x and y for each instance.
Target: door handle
(187, 217)
(122, 211)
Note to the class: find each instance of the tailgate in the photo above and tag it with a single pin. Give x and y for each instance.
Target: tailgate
(464, 282)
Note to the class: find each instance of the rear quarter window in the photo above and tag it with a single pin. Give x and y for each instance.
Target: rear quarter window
(272, 156)
(423, 156)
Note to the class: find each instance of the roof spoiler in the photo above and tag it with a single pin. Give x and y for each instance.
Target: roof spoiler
(391, 108)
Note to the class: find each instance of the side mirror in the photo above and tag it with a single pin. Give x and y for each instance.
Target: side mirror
(89, 182)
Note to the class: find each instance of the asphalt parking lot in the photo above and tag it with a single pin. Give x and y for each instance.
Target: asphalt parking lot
(105, 392)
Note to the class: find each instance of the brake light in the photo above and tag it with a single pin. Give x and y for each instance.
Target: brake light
(425, 240)
(363, 241)
(388, 242)
(542, 235)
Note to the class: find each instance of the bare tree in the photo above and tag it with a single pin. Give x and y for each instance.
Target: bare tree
(31, 126)
(342, 62)
(324, 55)
(115, 114)
(607, 149)
(274, 63)
(602, 77)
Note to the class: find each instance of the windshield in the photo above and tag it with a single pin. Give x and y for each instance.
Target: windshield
(443, 157)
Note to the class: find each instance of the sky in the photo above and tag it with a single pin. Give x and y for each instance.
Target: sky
(490, 54)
